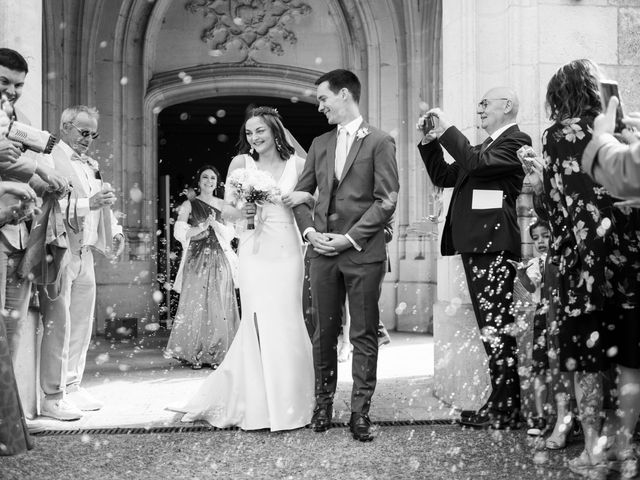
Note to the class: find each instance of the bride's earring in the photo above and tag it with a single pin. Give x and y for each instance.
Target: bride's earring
(251, 150)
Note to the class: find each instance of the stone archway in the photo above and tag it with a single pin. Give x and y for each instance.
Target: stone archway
(124, 56)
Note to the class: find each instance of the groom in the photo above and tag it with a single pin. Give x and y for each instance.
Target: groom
(354, 169)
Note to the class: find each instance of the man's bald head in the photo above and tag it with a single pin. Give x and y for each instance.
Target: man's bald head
(498, 107)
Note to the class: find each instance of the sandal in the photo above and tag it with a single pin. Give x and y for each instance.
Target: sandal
(561, 435)
(196, 366)
(583, 466)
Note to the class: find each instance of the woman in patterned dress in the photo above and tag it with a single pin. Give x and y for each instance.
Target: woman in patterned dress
(595, 245)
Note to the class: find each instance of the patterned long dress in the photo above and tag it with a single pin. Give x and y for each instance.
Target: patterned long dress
(207, 317)
(14, 436)
(595, 245)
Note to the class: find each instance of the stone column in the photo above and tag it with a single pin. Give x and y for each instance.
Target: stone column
(21, 30)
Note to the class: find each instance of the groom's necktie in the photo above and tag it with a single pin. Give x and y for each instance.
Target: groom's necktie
(342, 149)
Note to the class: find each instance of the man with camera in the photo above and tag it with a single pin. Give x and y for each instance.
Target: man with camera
(481, 225)
(19, 165)
(68, 312)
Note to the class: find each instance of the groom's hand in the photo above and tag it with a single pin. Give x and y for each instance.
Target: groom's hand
(339, 242)
(321, 243)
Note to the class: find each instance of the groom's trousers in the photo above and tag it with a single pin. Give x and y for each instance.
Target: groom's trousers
(331, 279)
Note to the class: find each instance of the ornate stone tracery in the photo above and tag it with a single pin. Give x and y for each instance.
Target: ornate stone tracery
(249, 25)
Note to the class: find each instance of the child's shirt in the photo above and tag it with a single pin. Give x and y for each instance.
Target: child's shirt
(535, 270)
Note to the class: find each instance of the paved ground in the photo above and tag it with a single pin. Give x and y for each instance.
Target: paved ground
(136, 383)
(427, 452)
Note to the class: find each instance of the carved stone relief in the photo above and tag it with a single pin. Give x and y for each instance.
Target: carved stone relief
(249, 25)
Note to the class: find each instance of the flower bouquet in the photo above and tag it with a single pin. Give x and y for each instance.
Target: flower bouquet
(251, 186)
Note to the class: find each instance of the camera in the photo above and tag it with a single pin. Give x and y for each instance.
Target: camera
(426, 123)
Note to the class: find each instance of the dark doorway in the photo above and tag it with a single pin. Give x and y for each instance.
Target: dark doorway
(201, 132)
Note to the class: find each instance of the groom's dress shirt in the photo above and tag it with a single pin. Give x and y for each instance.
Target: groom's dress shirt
(346, 136)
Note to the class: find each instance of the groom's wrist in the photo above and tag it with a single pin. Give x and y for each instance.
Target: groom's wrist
(353, 242)
(306, 232)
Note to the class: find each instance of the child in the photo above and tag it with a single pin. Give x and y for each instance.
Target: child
(539, 276)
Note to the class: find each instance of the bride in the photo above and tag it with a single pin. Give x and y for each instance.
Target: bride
(266, 379)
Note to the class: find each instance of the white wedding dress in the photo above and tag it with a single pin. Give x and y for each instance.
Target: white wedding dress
(266, 379)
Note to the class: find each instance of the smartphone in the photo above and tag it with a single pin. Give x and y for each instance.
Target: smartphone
(608, 89)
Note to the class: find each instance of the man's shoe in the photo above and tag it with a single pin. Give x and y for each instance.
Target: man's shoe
(84, 400)
(321, 420)
(360, 426)
(496, 421)
(467, 414)
(59, 409)
(34, 426)
(383, 335)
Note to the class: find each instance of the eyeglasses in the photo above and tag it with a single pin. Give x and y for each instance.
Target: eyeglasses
(484, 103)
(86, 133)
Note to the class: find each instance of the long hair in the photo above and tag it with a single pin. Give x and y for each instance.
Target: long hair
(218, 178)
(272, 119)
(573, 92)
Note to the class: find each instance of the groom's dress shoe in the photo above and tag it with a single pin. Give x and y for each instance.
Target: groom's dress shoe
(360, 426)
(321, 420)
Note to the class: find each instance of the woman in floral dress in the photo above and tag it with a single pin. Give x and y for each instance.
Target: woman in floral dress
(595, 245)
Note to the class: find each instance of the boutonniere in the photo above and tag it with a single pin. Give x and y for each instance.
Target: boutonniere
(361, 133)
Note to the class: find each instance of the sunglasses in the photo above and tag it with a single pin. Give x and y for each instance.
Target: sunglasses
(86, 133)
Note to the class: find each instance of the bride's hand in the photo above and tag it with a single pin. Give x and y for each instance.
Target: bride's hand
(295, 198)
(249, 210)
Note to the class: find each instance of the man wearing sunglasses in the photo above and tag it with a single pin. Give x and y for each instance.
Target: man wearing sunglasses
(90, 226)
(482, 226)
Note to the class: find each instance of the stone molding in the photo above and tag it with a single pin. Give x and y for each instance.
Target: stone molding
(250, 26)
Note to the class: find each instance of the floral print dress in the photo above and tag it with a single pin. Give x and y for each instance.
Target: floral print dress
(595, 245)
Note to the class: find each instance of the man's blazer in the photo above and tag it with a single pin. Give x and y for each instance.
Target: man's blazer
(74, 222)
(366, 195)
(486, 183)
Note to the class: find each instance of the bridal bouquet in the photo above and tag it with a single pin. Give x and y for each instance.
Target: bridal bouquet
(251, 186)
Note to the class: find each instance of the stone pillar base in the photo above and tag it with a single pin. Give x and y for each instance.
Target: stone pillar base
(461, 367)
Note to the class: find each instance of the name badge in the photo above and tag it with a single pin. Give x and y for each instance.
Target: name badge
(486, 199)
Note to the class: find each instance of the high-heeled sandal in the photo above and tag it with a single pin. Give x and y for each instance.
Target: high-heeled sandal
(558, 440)
(585, 467)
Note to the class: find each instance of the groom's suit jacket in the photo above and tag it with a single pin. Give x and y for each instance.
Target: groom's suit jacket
(486, 183)
(365, 196)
